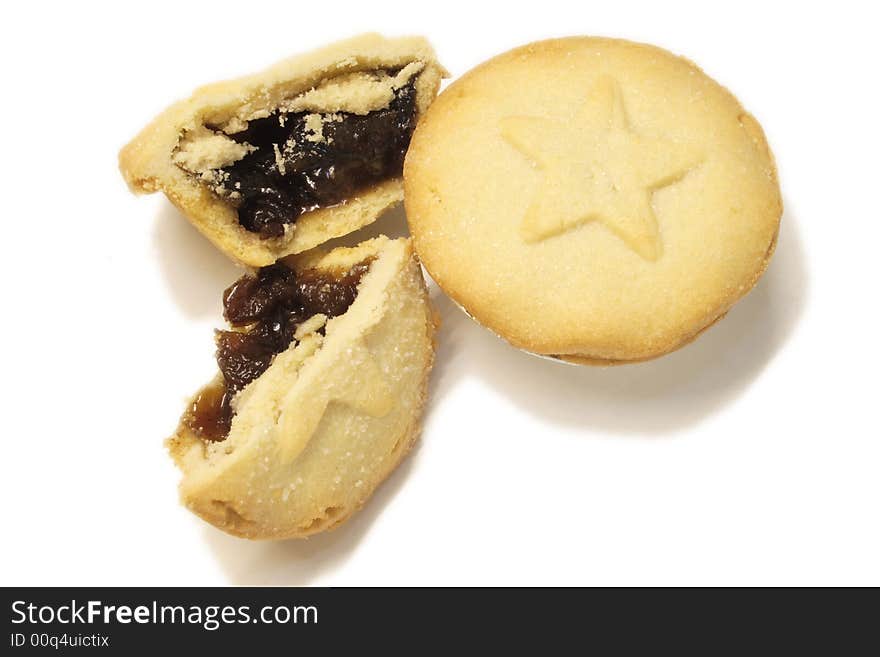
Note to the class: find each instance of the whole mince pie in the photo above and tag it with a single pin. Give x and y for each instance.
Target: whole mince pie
(322, 379)
(592, 200)
(281, 161)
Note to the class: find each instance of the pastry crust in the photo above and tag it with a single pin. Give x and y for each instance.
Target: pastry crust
(328, 80)
(329, 420)
(609, 211)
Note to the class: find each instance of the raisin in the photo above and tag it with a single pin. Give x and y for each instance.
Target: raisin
(288, 174)
(242, 357)
(255, 297)
(210, 414)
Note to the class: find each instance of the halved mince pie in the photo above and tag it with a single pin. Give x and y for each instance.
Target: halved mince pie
(322, 381)
(279, 162)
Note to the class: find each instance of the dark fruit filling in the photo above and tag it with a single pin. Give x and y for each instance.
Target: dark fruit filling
(294, 170)
(266, 308)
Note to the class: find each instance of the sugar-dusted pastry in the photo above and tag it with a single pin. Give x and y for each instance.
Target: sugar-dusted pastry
(592, 199)
(322, 381)
(278, 162)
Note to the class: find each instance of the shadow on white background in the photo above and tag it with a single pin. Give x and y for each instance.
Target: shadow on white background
(652, 399)
(195, 271)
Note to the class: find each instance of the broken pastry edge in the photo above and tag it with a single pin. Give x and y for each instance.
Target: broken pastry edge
(335, 261)
(147, 162)
(224, 489)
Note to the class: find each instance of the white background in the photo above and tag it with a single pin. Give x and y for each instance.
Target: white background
(750, 457)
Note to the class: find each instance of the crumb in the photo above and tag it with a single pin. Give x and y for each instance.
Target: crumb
(314, 124)
(202, 150)
(279, 161)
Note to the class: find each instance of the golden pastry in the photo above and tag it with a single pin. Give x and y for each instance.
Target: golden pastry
(322, 381)
(595, 200)
(279, 162)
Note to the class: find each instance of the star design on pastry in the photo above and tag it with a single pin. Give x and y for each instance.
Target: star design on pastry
(364, 389)
(596, 168)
